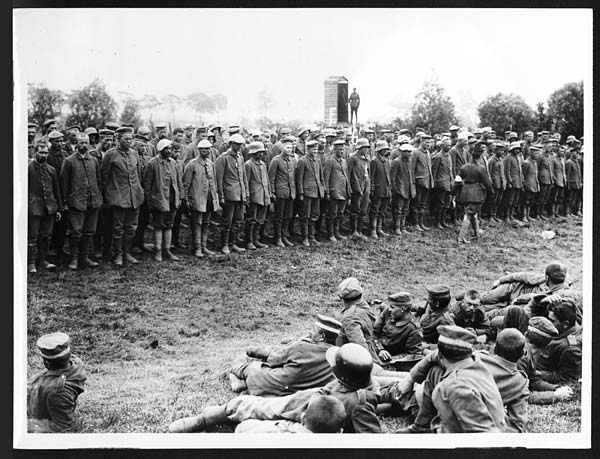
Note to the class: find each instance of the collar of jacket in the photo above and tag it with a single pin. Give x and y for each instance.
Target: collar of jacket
(451, 367)
(575, 329)
(359, 302)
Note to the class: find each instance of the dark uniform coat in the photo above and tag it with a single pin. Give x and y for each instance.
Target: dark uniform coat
(530, 176)
(544, 166)
(396, 337)
(200, 185)
(281, 176)
(80, 182)
(475, 183)
(441, 169)
(381, 184)
(335, 176)
(162, 178)
(43, 190)
(121, 178)
(420, 163)
(309, 177)
(232, 184)
(259, 186)
(496, 172)
(540, 392)
(401, 176)
(560, 361)
(357, 326)
(359, 173)
(512, 172)
(459, 157)
(573, 173)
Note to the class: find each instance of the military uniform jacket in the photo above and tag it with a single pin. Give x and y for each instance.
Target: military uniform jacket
(121, 178)
(259, 186)
(281, 176)
(441, 170)
(43, 190)
(56, 159)
(513, 386)
(403, 183)
(396, 337)
(540, 392)
(297, 366)
(300, 148)
(530, 176)
(359, 174)
(573, 173)
(357, 327)
(560, 361)
(335, 176)
(512, 171)
(199, 184)
(496, 172)
(381, 183)
(459, 157)
(544, 167)
(309, 177)
(477, 321)
(474, 185)
(162, 179)
(80, 182)
(420, 162)
(468, 400)
(232, 184)
(558, 171)
(430, 321)
(52, 397)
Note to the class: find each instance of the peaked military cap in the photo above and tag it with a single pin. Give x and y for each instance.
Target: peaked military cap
(362, 142)
(124, 130)
(328, 324)
(439, 291)
(456, 336)
(107, 132)
(112, 125)
(543, 327)
(55, 135)
(339, 142)
(54, 345)
(312, 143)
(350, 289)
(160, 125)
(49, 122)
(32, 125)
(400, 299)
(454, 127)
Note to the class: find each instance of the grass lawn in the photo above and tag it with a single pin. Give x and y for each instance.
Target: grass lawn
(157, 339)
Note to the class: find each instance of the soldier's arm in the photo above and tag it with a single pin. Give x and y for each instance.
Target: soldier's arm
(105, 171)
(282, 356)
(419, 372)
(147, 180)
(516, 413)
(414, 342)
(188, 175)
(272, 173)
(470, 410)
(354, 332)
(64, 179)
(57, 190)
(219, 170)
(365, 420)
(61, 407)
(299, 176)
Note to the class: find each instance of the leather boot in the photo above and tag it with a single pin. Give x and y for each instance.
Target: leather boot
(277, 234)
(397, 228)
(337, 223)
(233, 238)
(330, 231)
(74, 242)
(311, 233)
(422, 223)
(225, 242)
(43, 246)
(304, 233)
(117, 244)
(464, 230)
(256, 236)
(292, 227)
(476, 228)
(127, 246)
(443, 219)
(197, 240)
(285, 236)
(87, 247)
(204, 242)
(380, 231)
(403, 228)
(437, 220)
(354, 228)
(158, 238)
(373, 226)
(211, 416)
(418, 222)
(167, 235)
(250, 236)
(31, 256)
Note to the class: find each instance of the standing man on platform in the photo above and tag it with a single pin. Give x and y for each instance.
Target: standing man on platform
(354, 104)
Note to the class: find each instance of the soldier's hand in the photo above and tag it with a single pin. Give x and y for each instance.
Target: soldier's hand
(404, 386)
(300, 197)
(563, 392)
(481, 339)
(496, 283)
(58, 216)
(222, 202)
(384, 355)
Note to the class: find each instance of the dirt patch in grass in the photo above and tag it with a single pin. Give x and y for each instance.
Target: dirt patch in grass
(157, 339)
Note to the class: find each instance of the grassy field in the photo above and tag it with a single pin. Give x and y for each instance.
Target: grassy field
(157, 339)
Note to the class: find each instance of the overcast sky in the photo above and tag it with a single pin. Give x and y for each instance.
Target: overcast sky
(386, 54)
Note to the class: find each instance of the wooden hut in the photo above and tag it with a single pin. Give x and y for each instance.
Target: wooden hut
(336, 101)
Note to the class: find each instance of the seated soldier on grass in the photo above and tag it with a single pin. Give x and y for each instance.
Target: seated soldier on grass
(353, 386)
(538, 335)
(299, 365)
(324, 414)
(471, 316)
(394, 330)
(436, 312)
(560, 361)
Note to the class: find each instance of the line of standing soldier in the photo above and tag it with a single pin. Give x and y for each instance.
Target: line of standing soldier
(101, 187)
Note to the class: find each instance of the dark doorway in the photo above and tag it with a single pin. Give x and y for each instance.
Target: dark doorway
(342, 103)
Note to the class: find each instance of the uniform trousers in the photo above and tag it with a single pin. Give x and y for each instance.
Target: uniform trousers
(233, 214)
(83, 222)
(421, 199)
(39, 228)
(124, 221)
(378, 206)
(441, 199)
(335, 209)
(310, 209)
(256, 214)
(400, 205)
(283, 210)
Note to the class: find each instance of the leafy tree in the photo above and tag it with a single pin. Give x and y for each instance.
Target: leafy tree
(43, 103)
(220, 101)
(505, 112)
(201, 103)
(433, 109)
(542, 120)
(91, 106)
(565, 107)
(130, 113)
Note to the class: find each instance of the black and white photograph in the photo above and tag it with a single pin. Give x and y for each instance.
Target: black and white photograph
(233, 224)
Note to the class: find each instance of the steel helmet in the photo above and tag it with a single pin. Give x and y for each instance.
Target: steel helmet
(255, 147)
(351, 364)
(237, 138)
(362, 142)
(204, 144)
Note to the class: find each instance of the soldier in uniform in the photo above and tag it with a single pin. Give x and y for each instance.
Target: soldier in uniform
(48, 127)
(232, 186)
(92, 133)
(498, 179)
(353, 386)
(354, 100)
(381, 188)
(443, 180)
(163, 191)
(200, 193)
(44, 205)
(80, 186)
(161, 133)
(56, 157)
(283, 187)
(435, 312)
(52, 393)
(514, 181)
(459, 156)
(259, 192)
(71, 144)
(337, 192)
(189, 135)
(545, 177)
(403, 187)
(557, 195)
(531, 185)
(310, 191)
(574, 181)
(121, 171)
(31, 133)
(471, 316)
(360, 187)
(560, 361)
(475, 182)
(296, 366)
(303, 135)
(421, 168)
(394, 331)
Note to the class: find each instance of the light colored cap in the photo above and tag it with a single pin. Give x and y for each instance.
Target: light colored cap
(255, 147)
(349, 289)
(237, 138)
(204, 144)
(163, 143)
